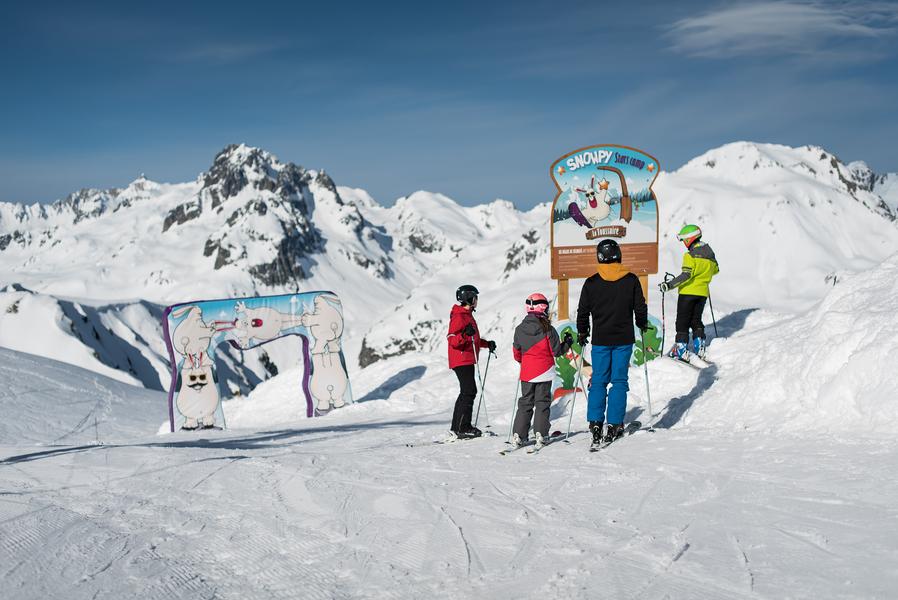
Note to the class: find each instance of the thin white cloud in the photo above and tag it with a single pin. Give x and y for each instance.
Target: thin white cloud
(764, 28)
(227, 52)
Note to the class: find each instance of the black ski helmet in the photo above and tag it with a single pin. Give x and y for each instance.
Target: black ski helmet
(466, 294)
(608, 251)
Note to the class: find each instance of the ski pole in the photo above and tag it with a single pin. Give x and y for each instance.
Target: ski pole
(577, 385)
(648, 394)
(514, 408)
(486, 412)
(713, 320)
(479, 378)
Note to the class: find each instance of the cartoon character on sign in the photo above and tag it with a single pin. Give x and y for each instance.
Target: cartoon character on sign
(192, 336)
(598, 204)
(198, 397)
(261, 324)
(329, 378)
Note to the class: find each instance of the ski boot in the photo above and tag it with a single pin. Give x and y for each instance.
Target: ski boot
(516, 441)
(595, 427)
(680, 351)
(540, 442)
(698, 347)
(613, 432)
(469, 433)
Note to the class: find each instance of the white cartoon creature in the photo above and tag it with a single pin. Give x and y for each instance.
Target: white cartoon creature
(197, 397)
(325, 324)
(329, 378)
(598, 204)
(192, 336)
(261, 324)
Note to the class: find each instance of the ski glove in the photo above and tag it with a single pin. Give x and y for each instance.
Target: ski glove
(644, 327)
(568, 339)
(469, 330)
(491, 345)
(663, 287)
(582, 339)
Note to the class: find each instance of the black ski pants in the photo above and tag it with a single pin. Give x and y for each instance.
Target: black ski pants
(536, 396)
(464, 404)
(689, 315)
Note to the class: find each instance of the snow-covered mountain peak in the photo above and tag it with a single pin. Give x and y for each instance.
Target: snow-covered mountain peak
(766, 166)
(744, 162)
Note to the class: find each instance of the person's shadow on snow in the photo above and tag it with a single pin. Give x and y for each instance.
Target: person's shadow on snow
(677, 407)
(394, 383)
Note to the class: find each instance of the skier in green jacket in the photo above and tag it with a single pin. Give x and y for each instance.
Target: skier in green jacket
(699, 267)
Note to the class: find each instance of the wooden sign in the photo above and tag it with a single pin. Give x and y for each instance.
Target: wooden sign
(604, 192)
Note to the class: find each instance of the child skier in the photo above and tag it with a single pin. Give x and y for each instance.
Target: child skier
(464, 341)
(699, 267)
(535, 346)
(613, 298)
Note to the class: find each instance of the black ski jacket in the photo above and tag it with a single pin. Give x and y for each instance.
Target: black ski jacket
(612, 303)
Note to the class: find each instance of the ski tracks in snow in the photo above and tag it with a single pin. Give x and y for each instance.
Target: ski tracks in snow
(677, 514)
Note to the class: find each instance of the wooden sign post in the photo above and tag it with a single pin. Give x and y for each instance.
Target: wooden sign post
(603, 192)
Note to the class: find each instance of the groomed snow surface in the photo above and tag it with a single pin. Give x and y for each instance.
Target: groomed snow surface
(770, 475)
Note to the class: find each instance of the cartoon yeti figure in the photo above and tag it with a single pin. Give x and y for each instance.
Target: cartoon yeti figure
(598, 204)
(325, 324)
(197, 396)
(329, 379)
(261, 324)
(192, 336)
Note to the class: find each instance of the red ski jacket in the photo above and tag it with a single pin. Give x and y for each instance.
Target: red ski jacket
(461, 352)
(536, 350)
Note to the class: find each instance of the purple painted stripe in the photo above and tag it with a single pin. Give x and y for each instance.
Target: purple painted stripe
(307, 376)
(174, 367)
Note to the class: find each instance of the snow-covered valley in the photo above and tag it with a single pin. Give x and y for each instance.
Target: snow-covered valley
(768, 474)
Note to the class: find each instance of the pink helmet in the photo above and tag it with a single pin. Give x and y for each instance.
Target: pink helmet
(537, 303)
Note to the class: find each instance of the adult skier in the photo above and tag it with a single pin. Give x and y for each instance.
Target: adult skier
(693, 283)
(612, 299)
(535, 346)
(464, 348)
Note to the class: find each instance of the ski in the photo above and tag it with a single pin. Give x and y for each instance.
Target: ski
(514, 448)
(629, 430)
(555, 436)
(531, 445)
(451, 439)
(694, 362)
(454, 439)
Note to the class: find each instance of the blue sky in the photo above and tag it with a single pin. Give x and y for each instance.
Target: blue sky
(474, 100)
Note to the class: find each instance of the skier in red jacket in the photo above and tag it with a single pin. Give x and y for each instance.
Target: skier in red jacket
(535, 346)
(464, 340)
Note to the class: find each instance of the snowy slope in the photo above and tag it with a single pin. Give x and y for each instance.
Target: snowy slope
(360, 504)
(48, 402)
(827, 371)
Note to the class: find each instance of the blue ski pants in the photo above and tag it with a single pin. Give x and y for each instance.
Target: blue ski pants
(610, 364)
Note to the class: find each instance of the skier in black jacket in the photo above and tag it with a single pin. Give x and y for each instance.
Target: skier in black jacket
(612, 298)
